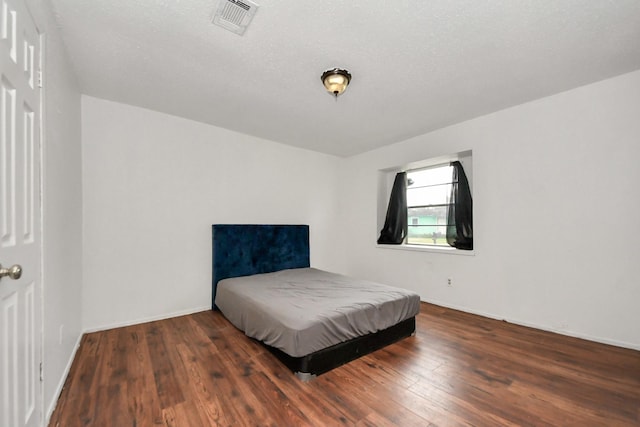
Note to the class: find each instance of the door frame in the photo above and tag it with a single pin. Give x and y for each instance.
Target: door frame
(41, 188)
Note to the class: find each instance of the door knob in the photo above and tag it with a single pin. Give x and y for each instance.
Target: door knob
(13, 272)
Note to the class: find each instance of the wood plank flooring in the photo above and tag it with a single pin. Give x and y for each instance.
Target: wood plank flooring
(460, 369)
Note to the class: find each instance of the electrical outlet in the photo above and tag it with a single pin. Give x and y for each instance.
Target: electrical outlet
(61, 331)
(449, 282)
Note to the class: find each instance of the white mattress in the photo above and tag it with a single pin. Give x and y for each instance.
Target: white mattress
(304, 310)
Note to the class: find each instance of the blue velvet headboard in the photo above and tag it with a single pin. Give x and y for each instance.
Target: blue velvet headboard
(246, 249)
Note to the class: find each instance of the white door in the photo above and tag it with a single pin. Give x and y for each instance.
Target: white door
(20, 308)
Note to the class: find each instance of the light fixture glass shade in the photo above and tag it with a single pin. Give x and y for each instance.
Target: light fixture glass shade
(336, 81)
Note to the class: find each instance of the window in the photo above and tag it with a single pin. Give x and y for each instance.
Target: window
(428, 203)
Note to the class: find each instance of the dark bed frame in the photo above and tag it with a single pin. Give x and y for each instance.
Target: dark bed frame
(246, 249)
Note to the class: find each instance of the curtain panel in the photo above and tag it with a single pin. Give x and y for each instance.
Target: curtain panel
(395, 223)
(460, 215)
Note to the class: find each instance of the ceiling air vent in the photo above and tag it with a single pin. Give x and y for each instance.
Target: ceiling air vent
(235, 15)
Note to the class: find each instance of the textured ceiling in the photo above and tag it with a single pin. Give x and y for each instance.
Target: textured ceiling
(416, 65)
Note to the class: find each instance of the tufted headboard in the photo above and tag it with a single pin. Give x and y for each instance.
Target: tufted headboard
(246, 249)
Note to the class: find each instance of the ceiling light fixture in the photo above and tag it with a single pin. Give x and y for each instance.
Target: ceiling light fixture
(336, 81)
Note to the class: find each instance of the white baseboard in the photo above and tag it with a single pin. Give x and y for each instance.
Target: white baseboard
(56, 395)
(146, 319)
(568, 333)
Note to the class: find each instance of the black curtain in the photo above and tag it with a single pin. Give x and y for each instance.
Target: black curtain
(459, 220)
(395, 224)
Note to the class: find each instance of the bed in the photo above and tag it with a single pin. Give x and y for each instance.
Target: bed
(312, 320)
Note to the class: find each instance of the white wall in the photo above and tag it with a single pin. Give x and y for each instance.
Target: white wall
(62, 207)
(153, 185)
(556, 206)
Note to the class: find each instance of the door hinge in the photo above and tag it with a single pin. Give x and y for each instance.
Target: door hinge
(39, 77)
(41, 377)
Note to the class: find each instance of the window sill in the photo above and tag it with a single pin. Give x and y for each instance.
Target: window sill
(433, 249)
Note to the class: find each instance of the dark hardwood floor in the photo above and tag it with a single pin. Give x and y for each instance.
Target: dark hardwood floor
(460, 369)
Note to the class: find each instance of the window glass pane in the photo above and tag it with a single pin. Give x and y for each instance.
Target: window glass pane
(427, 235)
(431, 176)
(434, 217)
(432, 195)
(429, 216)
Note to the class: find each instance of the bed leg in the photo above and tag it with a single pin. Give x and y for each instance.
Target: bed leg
(305, 376)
